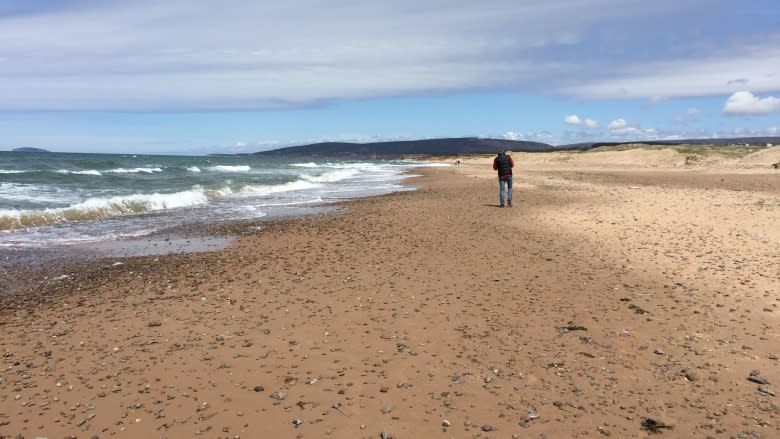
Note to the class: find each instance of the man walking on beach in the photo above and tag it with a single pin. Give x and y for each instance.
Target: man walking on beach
(503, 163)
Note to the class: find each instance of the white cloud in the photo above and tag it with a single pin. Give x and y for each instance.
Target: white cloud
(573, 119)
(704, 75)
(745, 103)
(152, 55)
(617, 124)
(532, 136)
(623, 129)
(590, 123)
(511, 135)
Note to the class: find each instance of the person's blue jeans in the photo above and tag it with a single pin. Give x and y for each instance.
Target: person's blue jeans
(506, 181)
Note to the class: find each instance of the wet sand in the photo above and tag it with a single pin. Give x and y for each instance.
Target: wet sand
(607, 297)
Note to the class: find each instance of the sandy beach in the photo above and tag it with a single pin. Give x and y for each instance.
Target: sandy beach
(625, 291)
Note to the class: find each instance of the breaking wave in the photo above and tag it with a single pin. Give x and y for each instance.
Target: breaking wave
(259, 190)
(135, 170)
(332, 176)
(226, 168)
(96, 208)
(86, 172)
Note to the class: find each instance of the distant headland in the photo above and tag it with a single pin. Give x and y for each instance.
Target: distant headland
(476, 146)
(27, 149)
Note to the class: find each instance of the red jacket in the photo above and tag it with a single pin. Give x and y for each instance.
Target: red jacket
(504, 171)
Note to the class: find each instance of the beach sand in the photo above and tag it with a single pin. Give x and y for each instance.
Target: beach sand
(624, 288)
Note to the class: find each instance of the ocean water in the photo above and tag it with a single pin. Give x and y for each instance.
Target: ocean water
(55, 199)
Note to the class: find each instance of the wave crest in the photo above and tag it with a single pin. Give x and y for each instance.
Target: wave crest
(332, 176)
(86, 172)
(95, 208)
(226, 168)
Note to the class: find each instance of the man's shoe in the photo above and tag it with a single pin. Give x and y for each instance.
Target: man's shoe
(501, 206)
(509, 204)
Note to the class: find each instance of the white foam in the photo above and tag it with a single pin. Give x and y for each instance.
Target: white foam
(305, 165)
(145, 202)
(225, 168)
(30, 193)
(193, 169)
(134, 170)
(277, 188)
(223, 192)
(11, 171)
(294, 203)
(332, 176)
(435, 165)
(98, 207)
(87, 172)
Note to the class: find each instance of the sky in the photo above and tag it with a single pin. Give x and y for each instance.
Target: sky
(198, 77)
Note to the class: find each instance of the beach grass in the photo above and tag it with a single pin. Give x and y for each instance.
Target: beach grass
(729, 151)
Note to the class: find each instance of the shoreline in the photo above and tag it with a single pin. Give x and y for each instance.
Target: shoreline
(38, 264)
(591, 305)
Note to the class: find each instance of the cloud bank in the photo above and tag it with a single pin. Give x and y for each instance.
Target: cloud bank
(194, 55)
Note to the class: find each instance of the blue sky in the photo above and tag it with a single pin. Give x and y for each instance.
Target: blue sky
(195, 77)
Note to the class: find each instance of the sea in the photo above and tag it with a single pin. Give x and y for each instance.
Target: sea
(63, 199)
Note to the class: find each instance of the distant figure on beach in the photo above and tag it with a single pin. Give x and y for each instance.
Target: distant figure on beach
(503, 163)
(457, 162)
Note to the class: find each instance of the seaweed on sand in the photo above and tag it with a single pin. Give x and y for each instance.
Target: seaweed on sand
(653, 426)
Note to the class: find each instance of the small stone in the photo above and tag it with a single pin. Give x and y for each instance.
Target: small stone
(387, 409)
(659, 352)
(445, 423)
(766, 390)
(756, 378)
(487, 427)
(278, 396)
(297, 422)
(259, 388)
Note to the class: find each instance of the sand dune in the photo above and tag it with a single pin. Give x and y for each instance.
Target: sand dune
(642, 157)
